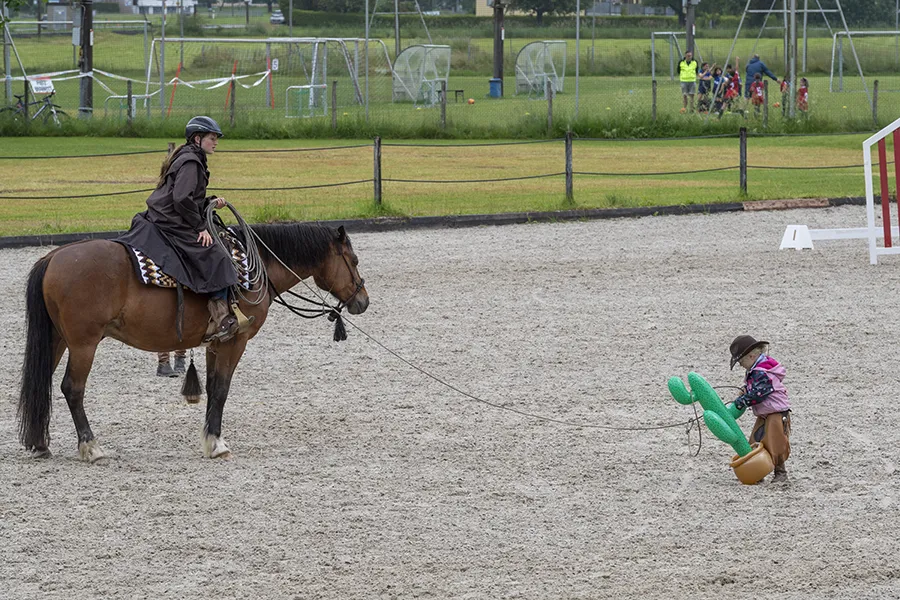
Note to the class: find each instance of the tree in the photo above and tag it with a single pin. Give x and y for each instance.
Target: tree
(544, 7)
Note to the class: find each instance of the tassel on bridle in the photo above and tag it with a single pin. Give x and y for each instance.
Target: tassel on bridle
(340, 332)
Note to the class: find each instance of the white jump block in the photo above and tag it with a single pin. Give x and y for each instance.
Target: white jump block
(797, 237)
(801, 237)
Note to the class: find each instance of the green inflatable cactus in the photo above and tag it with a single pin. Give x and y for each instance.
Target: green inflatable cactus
(720, 419)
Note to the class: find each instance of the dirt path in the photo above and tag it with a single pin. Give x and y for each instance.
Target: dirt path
(356, 477)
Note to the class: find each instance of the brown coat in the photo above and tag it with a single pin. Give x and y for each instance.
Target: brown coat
(176, 214)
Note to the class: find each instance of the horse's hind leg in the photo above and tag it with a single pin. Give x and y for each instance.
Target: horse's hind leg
(81, 358)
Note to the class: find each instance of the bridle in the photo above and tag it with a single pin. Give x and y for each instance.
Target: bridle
(323, 308)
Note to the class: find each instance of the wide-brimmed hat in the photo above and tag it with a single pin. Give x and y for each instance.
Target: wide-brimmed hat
(741, 346)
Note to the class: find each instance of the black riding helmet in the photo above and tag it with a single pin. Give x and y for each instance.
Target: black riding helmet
(201, 125)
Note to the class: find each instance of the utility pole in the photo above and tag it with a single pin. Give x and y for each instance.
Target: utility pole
(499, 36)
(396, 28)
(86, 106)
(792, 60)
(291, 19)
(690, 15)
(7, 58)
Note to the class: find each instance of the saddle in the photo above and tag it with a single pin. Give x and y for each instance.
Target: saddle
(150, 274)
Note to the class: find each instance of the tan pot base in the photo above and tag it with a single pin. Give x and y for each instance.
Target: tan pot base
(751, 469)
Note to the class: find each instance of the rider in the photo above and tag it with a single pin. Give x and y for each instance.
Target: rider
(172, 231)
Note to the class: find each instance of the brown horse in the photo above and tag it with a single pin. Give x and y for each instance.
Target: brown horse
(83, 292)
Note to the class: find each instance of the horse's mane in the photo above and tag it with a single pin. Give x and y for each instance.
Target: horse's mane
(300, 244)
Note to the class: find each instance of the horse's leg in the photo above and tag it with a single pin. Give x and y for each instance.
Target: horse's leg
(220, 365)
(81, 358)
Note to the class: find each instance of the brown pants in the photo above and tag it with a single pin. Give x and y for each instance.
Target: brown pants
(775, 435)
(163, 357)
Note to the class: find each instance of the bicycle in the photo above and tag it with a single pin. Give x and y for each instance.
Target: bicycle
(49, 110)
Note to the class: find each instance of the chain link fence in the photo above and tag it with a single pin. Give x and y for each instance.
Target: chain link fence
(606, 80)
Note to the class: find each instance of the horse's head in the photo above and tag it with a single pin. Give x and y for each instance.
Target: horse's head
(339, 274)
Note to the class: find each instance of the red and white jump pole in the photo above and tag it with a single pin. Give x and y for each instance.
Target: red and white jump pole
(879, 140)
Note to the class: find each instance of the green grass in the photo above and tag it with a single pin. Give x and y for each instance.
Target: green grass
(435, 162)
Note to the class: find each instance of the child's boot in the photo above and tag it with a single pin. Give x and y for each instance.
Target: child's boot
(780, 473)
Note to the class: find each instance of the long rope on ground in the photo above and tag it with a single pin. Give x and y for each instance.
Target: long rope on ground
(688, 423)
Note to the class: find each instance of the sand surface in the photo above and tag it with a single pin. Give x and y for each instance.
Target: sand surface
(355, 476)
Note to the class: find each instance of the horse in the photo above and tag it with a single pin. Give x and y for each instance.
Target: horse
(86, 291)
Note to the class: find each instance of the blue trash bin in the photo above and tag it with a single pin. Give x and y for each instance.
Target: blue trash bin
(496, 88)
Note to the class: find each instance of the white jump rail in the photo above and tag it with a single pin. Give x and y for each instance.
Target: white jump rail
(879, 140)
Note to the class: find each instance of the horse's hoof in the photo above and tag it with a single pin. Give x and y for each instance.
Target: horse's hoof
(91, 451)
(215, 447)
(41, 453)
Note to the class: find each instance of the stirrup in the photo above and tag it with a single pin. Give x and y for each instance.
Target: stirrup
(244, 322)
(227, 330)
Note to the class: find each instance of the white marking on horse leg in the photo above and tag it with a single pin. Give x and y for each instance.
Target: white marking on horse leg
(214, 447)
(91, 451)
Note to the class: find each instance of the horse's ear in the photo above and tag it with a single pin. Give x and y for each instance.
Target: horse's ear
(342, 234)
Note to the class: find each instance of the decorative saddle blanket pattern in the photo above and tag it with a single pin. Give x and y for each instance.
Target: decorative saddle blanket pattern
(150, 274)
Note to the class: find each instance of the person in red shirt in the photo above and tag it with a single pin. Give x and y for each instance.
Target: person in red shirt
(785, 94)
(757, 96)
(803, 95)
(733, 91)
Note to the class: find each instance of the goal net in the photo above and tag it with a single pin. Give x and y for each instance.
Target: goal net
(538, 63)
(293, 76)
(878, 53)
(418, 73)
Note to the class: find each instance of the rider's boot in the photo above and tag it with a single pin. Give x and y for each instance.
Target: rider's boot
(224, 325)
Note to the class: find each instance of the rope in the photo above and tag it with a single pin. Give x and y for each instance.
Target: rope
(258, 277)
(475, 145)
(472, 397)
(77, 196)
(656, 173)
(472, 180)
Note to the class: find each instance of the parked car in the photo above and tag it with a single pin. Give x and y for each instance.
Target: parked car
(276, 18)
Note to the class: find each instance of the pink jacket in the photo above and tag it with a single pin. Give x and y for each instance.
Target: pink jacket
(777, 401)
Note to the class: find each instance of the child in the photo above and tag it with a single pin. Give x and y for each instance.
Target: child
(803, 95)
(733, 93)
(720, 82)
(757, 95)
(765, 393)
(704, 81)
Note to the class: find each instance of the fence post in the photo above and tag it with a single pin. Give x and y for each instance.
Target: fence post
(744, 161)
(377, 173)
(334, 105)
(25, 102)
(570, 196)
(653, 100)
(130, 98)
(548, 92)
(231, 109)
(765, 104)
(875, 104)
(443, 104)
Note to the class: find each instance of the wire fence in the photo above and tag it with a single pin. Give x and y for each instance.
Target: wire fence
(441, 79)
(569, 174)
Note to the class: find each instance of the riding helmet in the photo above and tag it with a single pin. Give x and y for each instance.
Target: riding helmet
(201, 125)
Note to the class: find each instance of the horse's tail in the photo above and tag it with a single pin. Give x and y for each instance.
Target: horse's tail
(37, 369)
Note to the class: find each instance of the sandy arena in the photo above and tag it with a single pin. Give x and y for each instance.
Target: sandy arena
(355, 476)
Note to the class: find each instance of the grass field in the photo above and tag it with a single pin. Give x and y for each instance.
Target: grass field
(64, 177)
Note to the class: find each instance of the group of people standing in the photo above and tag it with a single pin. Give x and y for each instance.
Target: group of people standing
(720, 91)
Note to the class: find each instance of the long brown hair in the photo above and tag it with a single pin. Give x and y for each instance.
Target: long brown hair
(166, 164)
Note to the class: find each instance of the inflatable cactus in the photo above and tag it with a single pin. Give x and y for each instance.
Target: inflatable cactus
(720, 419)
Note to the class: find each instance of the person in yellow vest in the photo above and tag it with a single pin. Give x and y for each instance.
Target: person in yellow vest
(687, 74)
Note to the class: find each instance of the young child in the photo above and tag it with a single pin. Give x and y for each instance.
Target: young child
(720, 83)
(733, 92)
(704, 81)
(765, 393)
(785, 94)
(803, 95)
(757, 95)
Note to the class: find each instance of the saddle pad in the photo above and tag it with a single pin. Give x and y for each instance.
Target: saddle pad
(150, 274)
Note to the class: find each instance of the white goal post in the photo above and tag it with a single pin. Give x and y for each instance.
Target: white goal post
(538, 63)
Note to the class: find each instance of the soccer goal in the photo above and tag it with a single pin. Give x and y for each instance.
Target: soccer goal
(855, 54)
(676, 44)
(207, 74)
(418, 73)
(540, 63)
